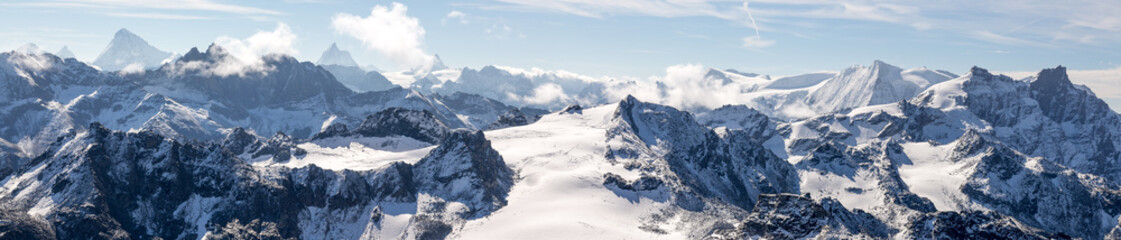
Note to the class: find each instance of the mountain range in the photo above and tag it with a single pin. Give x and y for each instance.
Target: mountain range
(190, 148)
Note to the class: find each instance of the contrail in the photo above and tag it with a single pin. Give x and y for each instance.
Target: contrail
(753, 25)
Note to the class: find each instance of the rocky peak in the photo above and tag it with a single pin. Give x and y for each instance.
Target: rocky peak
(334, 56)
(334, 130)
(978, 72)
(420, 125)
(213, 53)
(1061, 101)
(789, 216)
(1052, 78)
(716, 75)
(573, 109)
(465, 168)
(239, 141)
(971, 225)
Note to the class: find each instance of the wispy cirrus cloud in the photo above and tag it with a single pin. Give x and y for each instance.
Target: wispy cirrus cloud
(181, 7)
(1001, 22)
(601, 9)
(157, 16)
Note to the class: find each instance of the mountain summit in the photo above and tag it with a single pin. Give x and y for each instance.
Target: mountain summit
(29, 48)
(129, 50)
(65, 53)
(335, 56)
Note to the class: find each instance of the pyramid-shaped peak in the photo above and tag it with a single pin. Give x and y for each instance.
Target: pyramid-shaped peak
(123, 32)
(883, 65)
(437, 63)
(125, 38)
(335, 56)
(65, 53)
(129, 50)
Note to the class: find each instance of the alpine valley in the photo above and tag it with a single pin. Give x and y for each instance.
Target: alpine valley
(148, 144)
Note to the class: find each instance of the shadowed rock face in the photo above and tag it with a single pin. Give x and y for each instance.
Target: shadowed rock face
(788, 216)
(284, 80)
(464, 168)
(419, 125)
(143, 185)
(695, 161)
(973, 225)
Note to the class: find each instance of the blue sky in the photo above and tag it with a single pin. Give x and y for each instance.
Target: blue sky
(635, 38)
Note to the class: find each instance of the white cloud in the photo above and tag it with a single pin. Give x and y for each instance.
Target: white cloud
(389, 31)
(455, 15)
(684, 86)
(1110, 23)
(247, 55)
(1004, 40)
(1104, 82)
(544, 94)
(31, 60)
(600, 9)
(135, 68)
(757, 42)
(1088, 22)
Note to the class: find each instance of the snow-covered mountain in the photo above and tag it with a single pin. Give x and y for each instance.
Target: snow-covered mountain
(807, 95)
(30, 48)
(141, 185)
(334, 56)
(786, 98)
(48, 96)
(347, 72)
(64, 53)
(129, 51)
(198, 148)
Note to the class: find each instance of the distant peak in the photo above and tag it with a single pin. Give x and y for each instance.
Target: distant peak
(629, 100)
(213, 47)
(883, 65)
(1060, 70)
(335, 56)
(127, 49)
(437, 63)
(125, 33)
(195, 55)
(29, 48)
(980, 72)
(65, 53)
